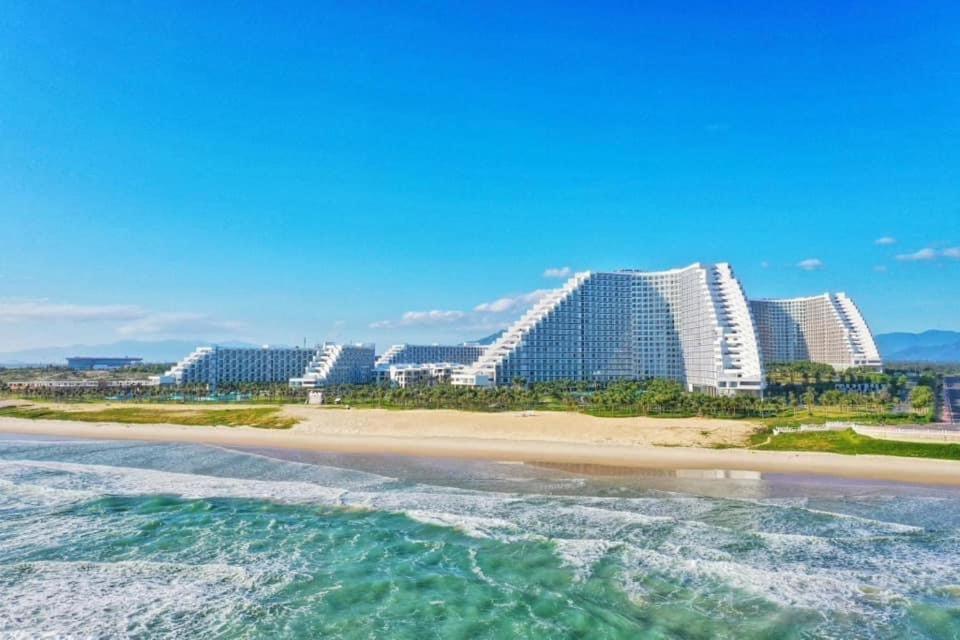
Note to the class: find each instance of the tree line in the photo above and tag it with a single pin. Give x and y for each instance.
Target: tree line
(630, 397)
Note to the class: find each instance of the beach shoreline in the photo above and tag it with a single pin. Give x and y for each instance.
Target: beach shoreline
(457, 444)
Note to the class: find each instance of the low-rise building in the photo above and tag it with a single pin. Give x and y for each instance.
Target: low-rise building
(423, 374)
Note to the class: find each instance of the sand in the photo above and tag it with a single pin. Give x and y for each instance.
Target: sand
(515, 426)
(524, 437)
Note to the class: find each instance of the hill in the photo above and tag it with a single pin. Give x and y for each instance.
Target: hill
(150, 351)
(927, 346)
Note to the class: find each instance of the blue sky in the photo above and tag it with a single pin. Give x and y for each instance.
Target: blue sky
(382, 172)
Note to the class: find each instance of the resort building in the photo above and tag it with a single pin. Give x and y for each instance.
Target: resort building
(337, 364)
(220, 365)
(424, 353)
(692, 325)
(828, 328)
(422, 374)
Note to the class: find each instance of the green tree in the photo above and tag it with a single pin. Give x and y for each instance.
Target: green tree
(921, 398)
(810, 399)
(832, 397)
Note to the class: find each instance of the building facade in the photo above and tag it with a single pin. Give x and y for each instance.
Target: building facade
(420, 374)
(426, 353)
(692, 325)
(333, 364)
(222, 365)
(828, 328)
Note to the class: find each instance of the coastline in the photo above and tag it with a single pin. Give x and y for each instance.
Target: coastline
(459, 446)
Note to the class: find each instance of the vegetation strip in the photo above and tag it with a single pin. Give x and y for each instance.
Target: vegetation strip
(849, 442)
(261, 417)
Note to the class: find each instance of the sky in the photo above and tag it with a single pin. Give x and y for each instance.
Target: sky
(418, 171)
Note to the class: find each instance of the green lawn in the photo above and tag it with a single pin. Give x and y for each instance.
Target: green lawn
(822, 415)
(849, 442)
(263, 417)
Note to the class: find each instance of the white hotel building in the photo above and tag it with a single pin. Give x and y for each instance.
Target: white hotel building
(219, 365)
(466, 353)
(692, 325)
(828, 328)
(406, 365)
(326, 364)
(417, 374)
(334, 364)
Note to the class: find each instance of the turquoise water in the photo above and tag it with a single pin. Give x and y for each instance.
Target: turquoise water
(144, 540)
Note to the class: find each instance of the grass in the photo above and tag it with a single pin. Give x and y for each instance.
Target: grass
(822, 415)
(849, 442)
(262, 417)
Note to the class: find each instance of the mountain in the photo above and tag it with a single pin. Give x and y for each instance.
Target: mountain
(490, 339)
(928, 346)
(150, 351)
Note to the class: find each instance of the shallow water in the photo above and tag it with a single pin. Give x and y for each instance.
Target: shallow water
(101, 539)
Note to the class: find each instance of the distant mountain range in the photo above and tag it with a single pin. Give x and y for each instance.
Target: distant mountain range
(928, 346)
(490, 339)
(150, 351)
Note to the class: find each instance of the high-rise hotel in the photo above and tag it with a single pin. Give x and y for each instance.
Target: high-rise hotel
(828, 328)
(694, 325)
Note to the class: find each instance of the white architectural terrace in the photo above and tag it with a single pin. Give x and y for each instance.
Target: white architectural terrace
(691, 324)
(828, 328)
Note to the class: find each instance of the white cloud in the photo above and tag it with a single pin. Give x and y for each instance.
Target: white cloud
(511, 303)
(952, 252)
(764, 265)
(486, 315)
(922, 255)
(811, 264)
(432, 317)
(885, 241)
(558, 272)
(129, 320)
(178, 323)
(499, 305)
(422, 318)
(27, 310)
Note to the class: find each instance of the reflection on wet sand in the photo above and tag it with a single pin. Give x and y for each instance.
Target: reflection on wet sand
(646, 472)
(625, 479)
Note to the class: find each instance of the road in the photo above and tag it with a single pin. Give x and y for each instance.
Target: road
(951, 399)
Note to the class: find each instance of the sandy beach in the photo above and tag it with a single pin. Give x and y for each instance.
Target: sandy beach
(515, 436)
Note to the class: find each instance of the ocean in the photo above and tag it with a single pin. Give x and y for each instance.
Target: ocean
(125, 539)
